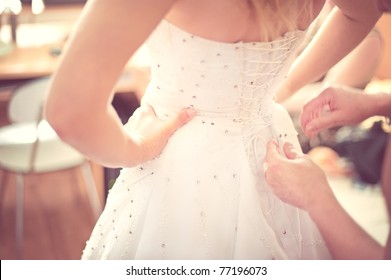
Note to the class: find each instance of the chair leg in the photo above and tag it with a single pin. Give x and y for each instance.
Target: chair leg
(19, 214)
(3, 185)
(92, 191)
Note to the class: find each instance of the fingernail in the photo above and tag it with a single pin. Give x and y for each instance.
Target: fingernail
(289, 145)
(310, 128)
(191, 112)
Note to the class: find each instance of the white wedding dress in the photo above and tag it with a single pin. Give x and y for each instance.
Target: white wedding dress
(205, 196)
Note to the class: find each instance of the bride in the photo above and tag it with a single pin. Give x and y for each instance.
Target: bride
(198, 193)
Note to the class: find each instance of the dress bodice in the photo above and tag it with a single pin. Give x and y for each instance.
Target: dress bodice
(229, 80)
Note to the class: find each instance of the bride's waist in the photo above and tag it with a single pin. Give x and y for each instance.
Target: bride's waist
(235, 115)
(232, 110)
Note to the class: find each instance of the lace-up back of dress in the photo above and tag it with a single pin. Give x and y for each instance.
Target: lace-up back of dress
(235, 81)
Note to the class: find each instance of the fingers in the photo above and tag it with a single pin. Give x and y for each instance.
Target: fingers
(272, 152)
(272, 155)
(290, 151)
(274, 160)
(317, 106)
(184, 116)
(320, 123)
(179, 119)
(320, 113)
(311, 110)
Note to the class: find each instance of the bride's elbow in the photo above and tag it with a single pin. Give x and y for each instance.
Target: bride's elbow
(62, 118)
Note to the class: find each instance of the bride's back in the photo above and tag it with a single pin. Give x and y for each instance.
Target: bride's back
(239, 20)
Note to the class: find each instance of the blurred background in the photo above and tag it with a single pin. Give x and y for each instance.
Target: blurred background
(50, 196)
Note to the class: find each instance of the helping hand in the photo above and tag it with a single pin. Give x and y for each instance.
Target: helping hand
(335, 106)
(296, 179)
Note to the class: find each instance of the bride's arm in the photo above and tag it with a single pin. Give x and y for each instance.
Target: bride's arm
(346, 26)
(79, 103)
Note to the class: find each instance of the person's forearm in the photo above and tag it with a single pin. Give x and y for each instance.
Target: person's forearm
(99, 135)
(381, 104)
(339, 35)
(372, 104)
(343, 236)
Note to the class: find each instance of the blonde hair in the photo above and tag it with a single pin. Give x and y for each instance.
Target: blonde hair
(278, 16)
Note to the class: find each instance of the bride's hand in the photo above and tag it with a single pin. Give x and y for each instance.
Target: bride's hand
(151, 133)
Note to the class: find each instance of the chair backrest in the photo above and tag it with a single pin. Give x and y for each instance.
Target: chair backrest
(27, 100)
